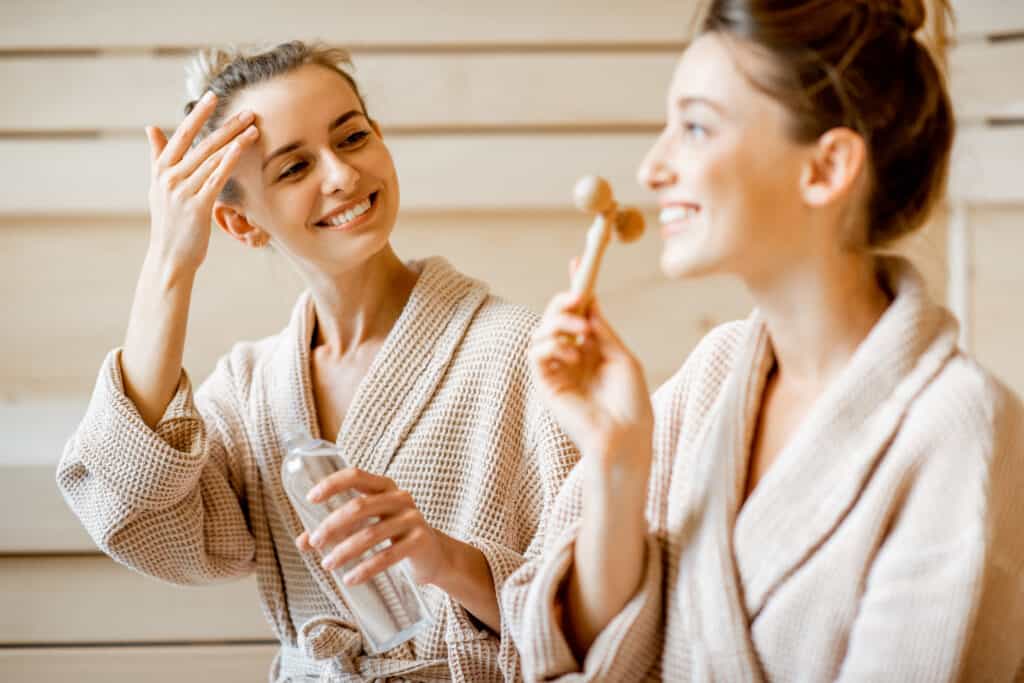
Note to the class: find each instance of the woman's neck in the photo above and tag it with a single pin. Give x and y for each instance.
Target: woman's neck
(362, 304)
(817, 315)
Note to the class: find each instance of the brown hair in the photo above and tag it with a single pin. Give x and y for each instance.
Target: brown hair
(858, 64)
(226, 71)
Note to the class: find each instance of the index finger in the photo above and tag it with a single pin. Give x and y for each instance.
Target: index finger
(187, 130)
(348, 479)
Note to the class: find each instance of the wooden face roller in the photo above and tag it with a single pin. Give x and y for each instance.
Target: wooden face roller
(594, 195)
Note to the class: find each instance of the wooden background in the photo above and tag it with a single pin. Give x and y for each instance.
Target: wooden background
(492, 111)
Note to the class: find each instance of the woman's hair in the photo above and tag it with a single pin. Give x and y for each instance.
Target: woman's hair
(858, 64)
(227, 71)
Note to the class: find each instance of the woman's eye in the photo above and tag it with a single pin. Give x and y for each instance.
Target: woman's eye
(354, 139)
(293, 170)
(695, 130)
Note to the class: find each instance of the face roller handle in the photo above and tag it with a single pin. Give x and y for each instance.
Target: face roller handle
(594, 195)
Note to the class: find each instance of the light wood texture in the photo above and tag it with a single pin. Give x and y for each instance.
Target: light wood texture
(406, 23)
(33, 515)
(421, 92)
(976, 18)
(403, 91)
(167, 664)
(437, 172)
(982, 83)
(997, 237)
(987, 165)
(92, 599)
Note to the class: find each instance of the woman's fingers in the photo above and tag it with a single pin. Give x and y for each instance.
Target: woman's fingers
(354, 514)
(367, 538)
(561, 324)
(213, 174)
(157, 142)
(186, 132)
(303, 544)
(351, 478)
(383, 560)
(234, 128)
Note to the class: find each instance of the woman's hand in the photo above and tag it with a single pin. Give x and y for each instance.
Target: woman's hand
(591, 382)
(383, 513)
(185, 182)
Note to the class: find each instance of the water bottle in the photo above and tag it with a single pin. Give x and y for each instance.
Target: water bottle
(389, 608)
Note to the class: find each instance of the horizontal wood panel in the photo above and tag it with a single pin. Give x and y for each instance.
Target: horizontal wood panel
(983, 82)
(987, 165)
(110, 23)
(997, 237)
(33, 515)
(83, 273)
(65, 24)
(437, 172)
(403, 91)
(424, 91)
(221, 663)
(92, 599)
(977, 18)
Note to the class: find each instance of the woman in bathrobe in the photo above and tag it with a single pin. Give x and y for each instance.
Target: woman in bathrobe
(416, 372)
(829, 489)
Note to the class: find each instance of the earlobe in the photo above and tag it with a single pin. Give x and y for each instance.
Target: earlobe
(236, 225)
(834, 167)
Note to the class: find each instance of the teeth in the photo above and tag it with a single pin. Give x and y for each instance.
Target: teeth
(351, 214)
(673, 214)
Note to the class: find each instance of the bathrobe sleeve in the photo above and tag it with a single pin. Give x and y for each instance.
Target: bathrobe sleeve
(169, 501)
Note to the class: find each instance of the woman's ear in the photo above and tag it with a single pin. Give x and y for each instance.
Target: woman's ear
(834, 168)
(235, 223)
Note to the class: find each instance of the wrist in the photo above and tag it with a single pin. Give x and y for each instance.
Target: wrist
(165, 272)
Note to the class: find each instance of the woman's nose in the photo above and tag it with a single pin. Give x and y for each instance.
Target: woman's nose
(655, 171)
(339, 176)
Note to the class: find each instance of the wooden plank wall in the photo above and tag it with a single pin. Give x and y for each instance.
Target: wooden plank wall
(492, 111)
(986, 204)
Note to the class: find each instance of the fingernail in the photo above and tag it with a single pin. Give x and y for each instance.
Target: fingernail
(246, 115)
(207, 97)
(327, 563)
(313, 495)
(315, 540)
(351, 578)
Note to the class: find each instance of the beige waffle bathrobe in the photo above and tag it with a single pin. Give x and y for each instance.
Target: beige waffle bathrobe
(446, 410)
(886, 543)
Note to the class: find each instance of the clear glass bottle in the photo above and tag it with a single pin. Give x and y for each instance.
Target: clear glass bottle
(388, 608)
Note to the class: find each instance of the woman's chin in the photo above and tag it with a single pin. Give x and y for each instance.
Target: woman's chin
(678, 264)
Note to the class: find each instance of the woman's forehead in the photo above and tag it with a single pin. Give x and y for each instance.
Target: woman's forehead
(310, 96)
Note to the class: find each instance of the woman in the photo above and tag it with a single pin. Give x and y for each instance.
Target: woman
(415, 370)
(828, 489)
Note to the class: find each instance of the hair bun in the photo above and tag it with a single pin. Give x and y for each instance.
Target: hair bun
(912, 13)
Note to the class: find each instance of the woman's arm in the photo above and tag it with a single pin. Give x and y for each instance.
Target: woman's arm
(597, 392)
(184, 184)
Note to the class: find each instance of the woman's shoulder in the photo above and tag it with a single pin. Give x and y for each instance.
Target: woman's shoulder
(968, 409)
(710, 362)
(507, 325)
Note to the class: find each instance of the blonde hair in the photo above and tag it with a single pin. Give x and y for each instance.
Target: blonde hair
(227, 71)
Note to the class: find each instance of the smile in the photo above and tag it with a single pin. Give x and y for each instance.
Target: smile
(674, 219)
(348, 216)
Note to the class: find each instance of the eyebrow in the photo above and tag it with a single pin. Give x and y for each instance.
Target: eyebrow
(292, 146)
(684, 102)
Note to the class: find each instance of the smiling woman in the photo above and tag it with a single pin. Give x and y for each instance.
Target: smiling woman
(830, 489)
(414, 370)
